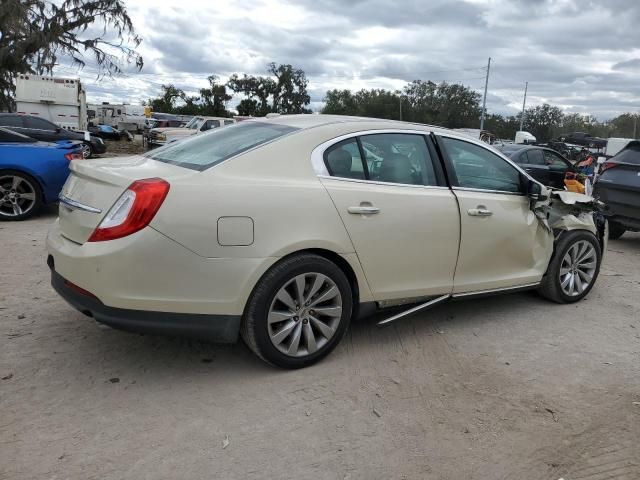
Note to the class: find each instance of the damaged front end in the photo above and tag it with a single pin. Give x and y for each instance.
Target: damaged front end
(563, 211)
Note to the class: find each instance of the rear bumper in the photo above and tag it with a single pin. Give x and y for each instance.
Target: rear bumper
(215, 328)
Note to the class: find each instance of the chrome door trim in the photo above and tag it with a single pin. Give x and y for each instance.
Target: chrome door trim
(495, 290)
(75, 205)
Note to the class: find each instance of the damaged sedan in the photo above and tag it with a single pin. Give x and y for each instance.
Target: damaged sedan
(283, 230)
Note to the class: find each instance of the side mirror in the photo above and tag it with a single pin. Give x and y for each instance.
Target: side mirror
(534, 191)
(58, 130)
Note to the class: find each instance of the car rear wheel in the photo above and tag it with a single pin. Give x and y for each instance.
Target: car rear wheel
(616, 230)
(298, 312)
(87, 151)
(20, 195)
(573, 269)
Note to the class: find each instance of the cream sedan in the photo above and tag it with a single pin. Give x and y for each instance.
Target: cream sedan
(283, 230)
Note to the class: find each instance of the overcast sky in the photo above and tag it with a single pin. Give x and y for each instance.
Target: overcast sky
(583, 56)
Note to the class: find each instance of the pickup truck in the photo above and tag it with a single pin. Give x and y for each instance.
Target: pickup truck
(162, 136)
(584, 139)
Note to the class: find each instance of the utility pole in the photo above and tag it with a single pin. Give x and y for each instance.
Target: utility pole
(484, 99)
(635, 126)
(524, 103)
(400, 96)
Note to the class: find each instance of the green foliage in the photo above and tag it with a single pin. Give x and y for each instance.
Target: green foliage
(36, 34)
(448, 105)
(286, 93)
(543, 121)
(211, 102)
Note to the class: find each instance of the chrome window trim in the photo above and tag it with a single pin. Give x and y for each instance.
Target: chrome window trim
(75, 205)
(317, 154)
(376, 182)
(482, 190)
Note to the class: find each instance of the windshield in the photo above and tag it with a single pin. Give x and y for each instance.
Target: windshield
(203, 151)
(194, 123)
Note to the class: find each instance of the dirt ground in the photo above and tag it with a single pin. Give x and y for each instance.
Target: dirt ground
(508, 387)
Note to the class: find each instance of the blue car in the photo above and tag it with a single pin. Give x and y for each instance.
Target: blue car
(32, 173)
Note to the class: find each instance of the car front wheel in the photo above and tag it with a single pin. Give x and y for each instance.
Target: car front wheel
(573, 269)
(298, 312)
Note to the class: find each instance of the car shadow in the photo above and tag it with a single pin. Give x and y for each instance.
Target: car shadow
(134, 357)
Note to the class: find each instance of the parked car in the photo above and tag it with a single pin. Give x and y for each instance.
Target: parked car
(544, 164)
(106, 132)
(618, 186)
(285, 229)
(162, 136)
(45, 131)
(31, 173)
(582, 138)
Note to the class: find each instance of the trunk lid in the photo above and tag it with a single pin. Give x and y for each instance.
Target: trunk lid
(94, 186)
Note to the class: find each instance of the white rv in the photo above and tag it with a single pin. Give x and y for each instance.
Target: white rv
(59, 100)
(120, 116)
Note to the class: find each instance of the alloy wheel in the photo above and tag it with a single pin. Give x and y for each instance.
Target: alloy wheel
(305, 314)
(578, 268)
(86, 151)
(17, 196)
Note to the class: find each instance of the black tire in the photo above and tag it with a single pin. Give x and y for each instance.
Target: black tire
(550, 287)
(254, 328)
(616, 230)
(33, 186)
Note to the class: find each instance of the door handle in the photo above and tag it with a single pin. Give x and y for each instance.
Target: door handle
(363, 210)
(479, 212)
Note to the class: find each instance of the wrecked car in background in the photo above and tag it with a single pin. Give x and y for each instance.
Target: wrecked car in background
(618, 186)
(311, 221)
(162, 136)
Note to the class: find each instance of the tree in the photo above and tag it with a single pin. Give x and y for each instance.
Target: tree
(166, 103)
(37, 34)
(287, 93)
(213, 99)
(543, 121)
(290, 92)
(447, 105)
(340, 102)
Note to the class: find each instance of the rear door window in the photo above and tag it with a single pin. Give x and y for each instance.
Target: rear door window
(534, 157)
(200, 152)
(344, 160)
(398, 158)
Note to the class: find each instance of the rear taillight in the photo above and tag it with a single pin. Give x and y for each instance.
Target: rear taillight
(73, 156)
(133, 211)
(607, 166)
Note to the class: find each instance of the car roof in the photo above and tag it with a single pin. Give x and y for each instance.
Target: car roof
(305, 121)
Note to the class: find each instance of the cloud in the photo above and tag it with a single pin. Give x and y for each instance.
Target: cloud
(582, 56)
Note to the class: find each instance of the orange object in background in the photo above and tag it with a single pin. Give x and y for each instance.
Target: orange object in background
(573, 184)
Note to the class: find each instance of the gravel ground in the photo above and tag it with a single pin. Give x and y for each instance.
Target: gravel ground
(508, 387)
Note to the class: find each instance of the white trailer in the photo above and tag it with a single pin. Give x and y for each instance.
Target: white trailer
(120, 116)
(62, 101)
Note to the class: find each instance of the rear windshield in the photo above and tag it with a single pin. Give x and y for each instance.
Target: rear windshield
(205, 150)
(631, 154)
